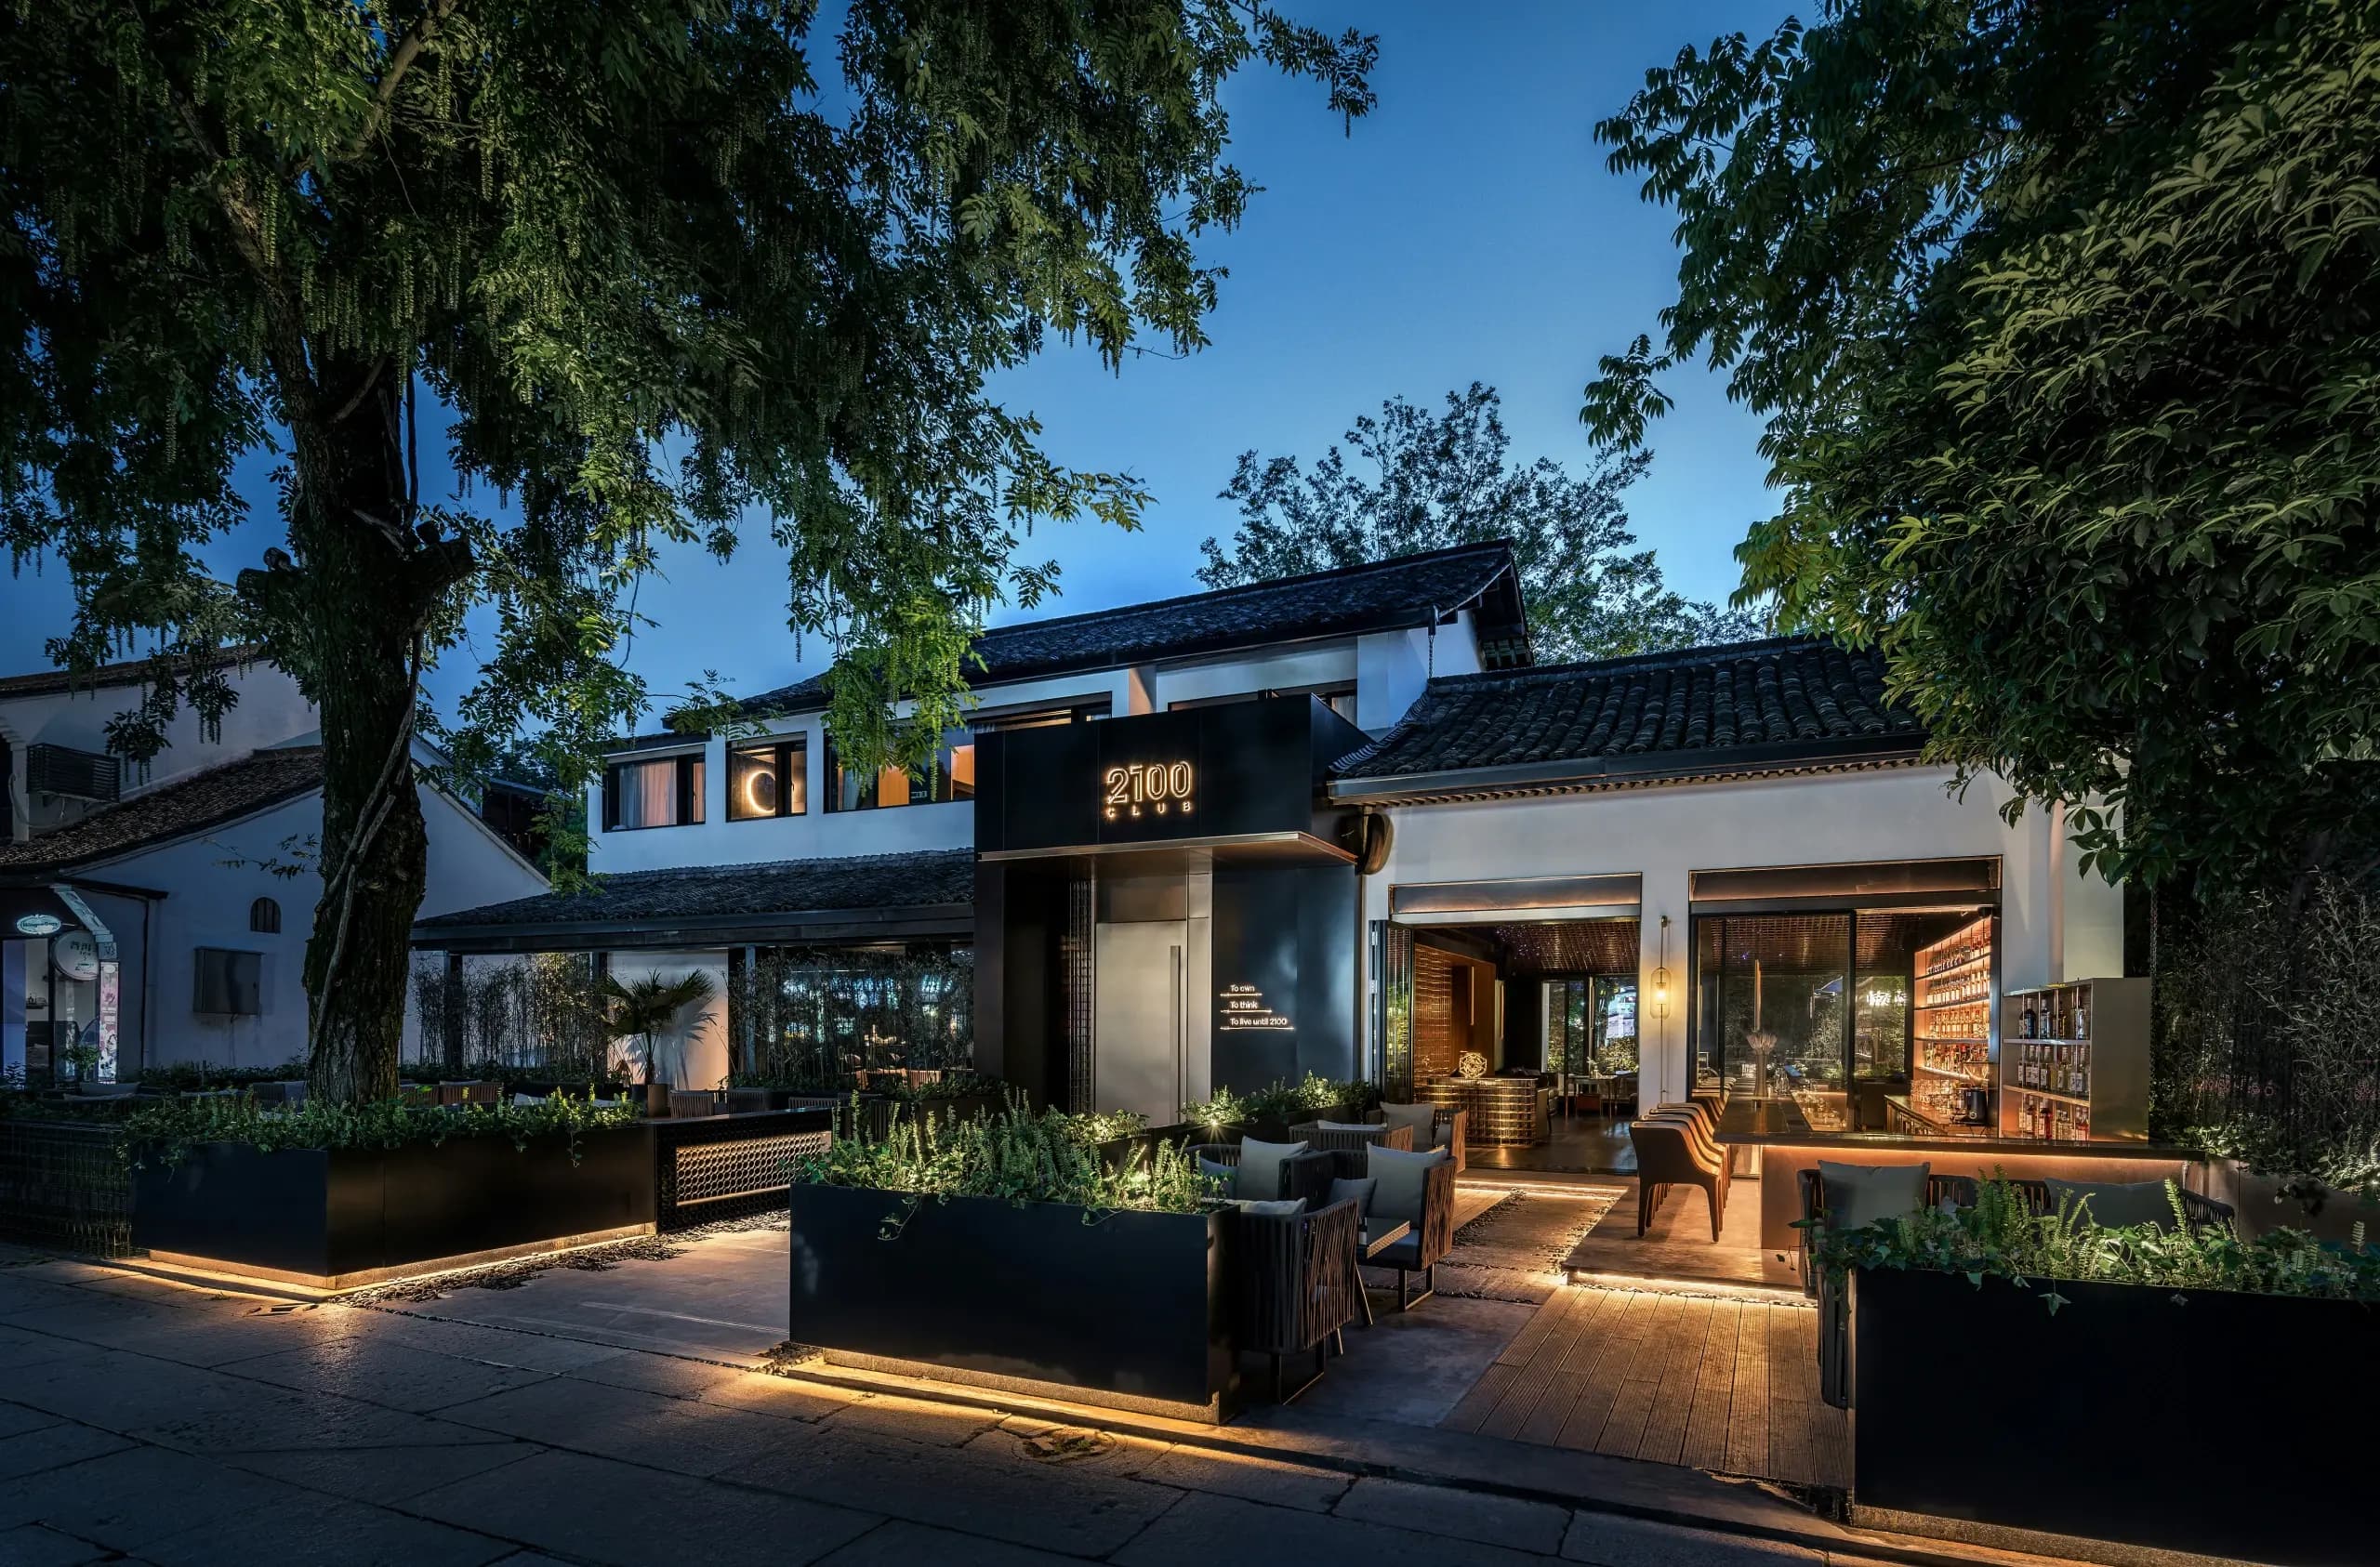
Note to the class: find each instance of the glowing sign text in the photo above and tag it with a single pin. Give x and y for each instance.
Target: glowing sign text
(1152, 788)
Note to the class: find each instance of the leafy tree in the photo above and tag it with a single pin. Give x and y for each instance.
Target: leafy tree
(646, 282)
(2064, 319)
(1428, 482)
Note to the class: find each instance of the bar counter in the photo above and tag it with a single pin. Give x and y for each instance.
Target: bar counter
(1505, 1111)
(1783, 1145)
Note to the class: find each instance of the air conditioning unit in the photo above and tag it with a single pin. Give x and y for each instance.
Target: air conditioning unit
(82, 775)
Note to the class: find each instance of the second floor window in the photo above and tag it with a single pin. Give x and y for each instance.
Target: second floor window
(667, 792)
(953, 778)
(768, 778)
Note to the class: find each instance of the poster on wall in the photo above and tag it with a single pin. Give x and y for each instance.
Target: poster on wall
(109, 976)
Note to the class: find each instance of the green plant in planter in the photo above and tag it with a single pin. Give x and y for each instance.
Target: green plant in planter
(2001, 1237)
(162, 1133)
(1225, 1109)
(1017, 1156)
(1097, 1127)
(647, 1007)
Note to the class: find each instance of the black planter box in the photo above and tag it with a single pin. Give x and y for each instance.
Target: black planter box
(1977, 1403)
(343, 1217)
(1128, 1309)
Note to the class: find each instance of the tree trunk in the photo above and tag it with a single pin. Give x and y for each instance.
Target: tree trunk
(348, 619)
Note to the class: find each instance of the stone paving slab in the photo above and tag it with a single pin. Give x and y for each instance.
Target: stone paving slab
(144, 1422)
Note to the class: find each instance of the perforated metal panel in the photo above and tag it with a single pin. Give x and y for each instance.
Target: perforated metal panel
(713, 1172)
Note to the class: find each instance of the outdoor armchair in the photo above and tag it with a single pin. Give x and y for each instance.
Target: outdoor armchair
(1306, 1176)
(1297, 1284)
(1347, 1145)
(1415, 1188)
(1667, 1155)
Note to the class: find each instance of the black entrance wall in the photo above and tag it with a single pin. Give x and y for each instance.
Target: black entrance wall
(1287, 935)
(1284, 923)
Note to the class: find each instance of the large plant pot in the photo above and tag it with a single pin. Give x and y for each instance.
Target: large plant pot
(1128, 1309)
(348, 1217)
(1978, 1403)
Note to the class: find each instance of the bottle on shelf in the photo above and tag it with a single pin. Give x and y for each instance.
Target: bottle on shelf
(2083, 1016)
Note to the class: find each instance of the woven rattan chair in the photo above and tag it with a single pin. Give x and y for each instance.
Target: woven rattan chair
(744, 1101)
(1297, 1289)
(1347, 1148)
(1306, 1176)
(1433, 1236)
(686, 1102)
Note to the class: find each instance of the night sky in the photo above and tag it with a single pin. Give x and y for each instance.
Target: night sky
(1468, 231)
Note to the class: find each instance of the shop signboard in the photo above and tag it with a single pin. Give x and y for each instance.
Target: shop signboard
(1241, 770)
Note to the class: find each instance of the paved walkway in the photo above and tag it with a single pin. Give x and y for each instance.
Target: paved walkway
(142, 1421)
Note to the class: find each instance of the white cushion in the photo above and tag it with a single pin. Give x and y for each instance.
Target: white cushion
(1858, 1195)
(1347, 1125)
(528, 1098)
(1280, 1207)
(1260, 1168)
(1399, 1179)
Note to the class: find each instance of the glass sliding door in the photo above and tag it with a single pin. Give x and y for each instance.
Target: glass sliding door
(1773, 1004)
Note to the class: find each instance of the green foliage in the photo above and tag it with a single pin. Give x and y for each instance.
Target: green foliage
(647, 281)
(819, 1015)
(2063, 321)
(162, 1132)
(647, 1007)
(188, 1076)
(1223, 1109)
(1016, 1155)
(1094, 1128)
(2000, 1237)
(540, 1016)
(2268, 1036)
(1280, 1101)
(1448, 479)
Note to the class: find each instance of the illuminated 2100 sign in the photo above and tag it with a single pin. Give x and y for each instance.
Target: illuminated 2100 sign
(1150, 788)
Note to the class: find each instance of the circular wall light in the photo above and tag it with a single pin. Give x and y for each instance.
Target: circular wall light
(39, 925)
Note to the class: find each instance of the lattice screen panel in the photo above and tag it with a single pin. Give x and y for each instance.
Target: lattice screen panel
(713, 1172)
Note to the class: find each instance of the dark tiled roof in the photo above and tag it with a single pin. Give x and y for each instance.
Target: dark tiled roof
(131, 672)
(172, 810)
(774, 887)
(1412, 591)
(1677, 712)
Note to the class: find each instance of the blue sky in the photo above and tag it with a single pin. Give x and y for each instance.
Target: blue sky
(1467, 230)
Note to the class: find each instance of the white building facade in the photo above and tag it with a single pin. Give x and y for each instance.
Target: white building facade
(161, 915)
(1665, 842)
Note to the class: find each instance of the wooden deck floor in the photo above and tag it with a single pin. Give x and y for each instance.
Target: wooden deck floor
(1714, 1384)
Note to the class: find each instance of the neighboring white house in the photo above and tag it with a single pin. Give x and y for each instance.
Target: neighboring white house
(163, 917)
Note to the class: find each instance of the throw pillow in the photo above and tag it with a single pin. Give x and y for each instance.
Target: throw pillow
(1857, 1195)
(1361, 1190)
(1419, 1118)
(1221, 1174)
(2130, 1205)
(1398, 1180)
(1260, 1168)
(1281, 1208)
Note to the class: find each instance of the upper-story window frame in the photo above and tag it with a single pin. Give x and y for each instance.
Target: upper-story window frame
(791, 753)
(1336, 695)
(687, 783)
(953, 780)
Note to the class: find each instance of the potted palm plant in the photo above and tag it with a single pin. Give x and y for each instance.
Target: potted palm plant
(646, 1010)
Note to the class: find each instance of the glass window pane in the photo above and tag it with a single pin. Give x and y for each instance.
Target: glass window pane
(1774, 1012)
(793, 780)
(755, 784)
(693, 800)
(647, 793)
